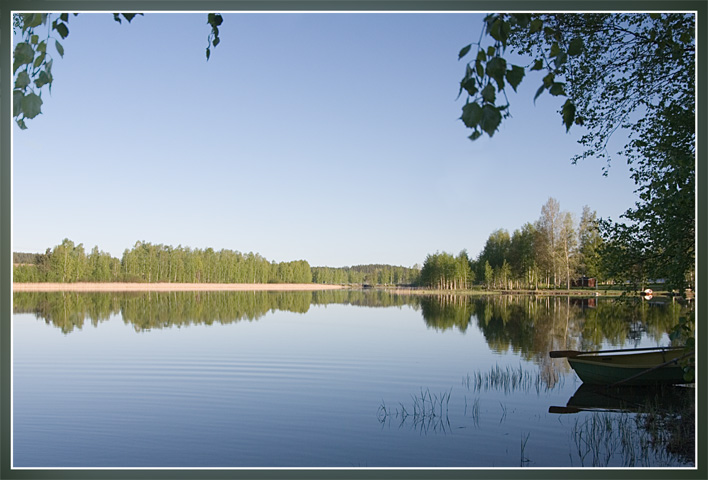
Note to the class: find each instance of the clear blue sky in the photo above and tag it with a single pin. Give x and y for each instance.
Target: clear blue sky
(333, 138)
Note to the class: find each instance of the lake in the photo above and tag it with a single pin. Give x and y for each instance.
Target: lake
(347, 379)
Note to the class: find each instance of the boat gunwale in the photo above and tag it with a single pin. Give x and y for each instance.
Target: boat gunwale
(629, 358)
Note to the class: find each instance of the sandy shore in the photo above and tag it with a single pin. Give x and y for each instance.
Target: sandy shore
(168, 287)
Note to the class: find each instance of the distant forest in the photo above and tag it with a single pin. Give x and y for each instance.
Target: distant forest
(150, 263)
(555, 251)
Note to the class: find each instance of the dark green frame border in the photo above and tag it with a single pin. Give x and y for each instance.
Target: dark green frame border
(700, 6)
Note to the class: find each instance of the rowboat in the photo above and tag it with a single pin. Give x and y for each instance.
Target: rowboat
(638, 366)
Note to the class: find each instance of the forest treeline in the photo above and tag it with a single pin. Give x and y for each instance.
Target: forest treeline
(375, 274)
(151, 263)
(554, 251)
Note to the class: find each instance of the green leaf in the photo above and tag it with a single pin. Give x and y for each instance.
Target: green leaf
(568, 112)
(686, 37)
(64, 17)
(17, 102)
(515, 75)
(23, 79)
(521, 19)
(536, 25)
(539, 92)
(466, 79)
(479, 68)
(464, 51)
(469, 85)
(216, 41)
(506, 30)
(59, 48)
(556, 89)
(38, 61)
(23, 54)
(488, 93)
(555, 49)
(576, 46)
(537, 65)
(561, 58)
(130, 16)
(496, 68)
(62, 29)
(495, 30)
(32, 20)
(31, 105)
(471, 115)
(214, 19)
(116, 17)
(208, 53)
(43, 79)
(34, 39)
(548, 79)
(481, 56)
(42, 47)
(491, 118)
(475, 135)
(491, 51)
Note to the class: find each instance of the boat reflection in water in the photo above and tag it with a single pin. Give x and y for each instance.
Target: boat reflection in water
(631, 399)
(627, 425)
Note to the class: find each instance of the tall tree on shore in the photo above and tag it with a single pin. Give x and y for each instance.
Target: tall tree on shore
(522, 255)
(631, 74)
(67, 262)
(495, 251)
(547, 229)
(463, 272)
(488, 275)
(567, 246)
(590, 242)
(446, 272)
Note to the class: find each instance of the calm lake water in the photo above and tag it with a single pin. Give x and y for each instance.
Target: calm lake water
(326, 379)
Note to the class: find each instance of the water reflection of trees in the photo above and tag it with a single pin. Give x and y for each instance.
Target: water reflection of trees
(527, 325)
(148, 310)
(531, 326)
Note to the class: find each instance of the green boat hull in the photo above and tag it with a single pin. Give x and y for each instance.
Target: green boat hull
(630, 369)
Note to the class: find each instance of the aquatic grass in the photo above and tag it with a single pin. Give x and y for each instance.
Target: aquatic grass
(524, 440)
(474, 411)
(605, 439)
(673, 428)
(508, 380)
(428, 411)
(503, 417)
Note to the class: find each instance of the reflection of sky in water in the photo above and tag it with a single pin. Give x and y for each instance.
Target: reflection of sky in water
(289, 389)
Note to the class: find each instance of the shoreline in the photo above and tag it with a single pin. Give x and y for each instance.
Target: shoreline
(284, 287)
(169, 287)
